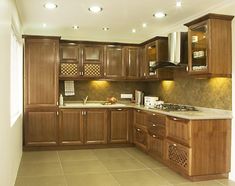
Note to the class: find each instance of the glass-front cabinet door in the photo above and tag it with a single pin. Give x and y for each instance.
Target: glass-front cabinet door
(198, 48)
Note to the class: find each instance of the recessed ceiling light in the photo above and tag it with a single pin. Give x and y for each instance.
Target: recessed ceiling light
(75, 27)
(159, 14)
(133, 30)
(44, 25)
(50, 6)
(105, 28)
(95, 9)
(144, 25)
(178, 3)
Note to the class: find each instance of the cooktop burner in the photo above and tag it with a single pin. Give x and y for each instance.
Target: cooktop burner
(175, 107)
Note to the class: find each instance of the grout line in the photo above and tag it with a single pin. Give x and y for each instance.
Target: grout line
(220, 183)
(62, 168)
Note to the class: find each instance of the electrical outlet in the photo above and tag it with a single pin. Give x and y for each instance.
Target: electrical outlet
(126, 96)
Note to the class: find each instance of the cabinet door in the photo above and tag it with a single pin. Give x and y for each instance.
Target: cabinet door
(132, 62)
(119, 126)
(95, 126)
(71, 127)
(115, 64)
(140, 137)
(143, 67)
(40, 127)
(92, 63)
(41, 72)
(140, 118)
(156, 146)
(70, 60)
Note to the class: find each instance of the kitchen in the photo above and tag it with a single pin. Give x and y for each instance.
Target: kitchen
(119, 142)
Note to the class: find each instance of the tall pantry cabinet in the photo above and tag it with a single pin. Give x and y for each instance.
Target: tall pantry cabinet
(41, 90)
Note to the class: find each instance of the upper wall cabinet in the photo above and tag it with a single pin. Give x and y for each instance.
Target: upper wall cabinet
(115, 64)
(210, 45)
(92, 61)
(69, 60)
(132, 62)
(157, 52)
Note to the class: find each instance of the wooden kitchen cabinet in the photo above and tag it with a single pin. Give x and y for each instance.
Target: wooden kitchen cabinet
(119, 126)
(95, 126)
(132, 62)
(70, 61)
(40, 127)
(115, 64)
(210, 45)
(71, 127)
(198, 149)
(41, 58)
(140, 136)
(92, 61)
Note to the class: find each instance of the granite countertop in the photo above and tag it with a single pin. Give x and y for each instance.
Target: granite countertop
(201, 114)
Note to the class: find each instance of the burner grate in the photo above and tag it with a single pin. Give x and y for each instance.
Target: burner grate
(175, 107)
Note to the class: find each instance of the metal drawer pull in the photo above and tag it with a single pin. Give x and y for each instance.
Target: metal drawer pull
(154, 136)
(154, 125)
(119, 109)
(138, 129)
(138, 110)
(154, 114)
(174, 145)
(175, 119)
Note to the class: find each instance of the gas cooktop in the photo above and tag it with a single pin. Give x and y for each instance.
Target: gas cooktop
(175, 107)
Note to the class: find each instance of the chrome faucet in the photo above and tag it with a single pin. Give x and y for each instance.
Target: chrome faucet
(85, 100)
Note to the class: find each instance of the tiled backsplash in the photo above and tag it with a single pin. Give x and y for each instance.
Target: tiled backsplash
(101, 90)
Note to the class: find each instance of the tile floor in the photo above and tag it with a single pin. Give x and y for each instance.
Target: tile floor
(99, 167)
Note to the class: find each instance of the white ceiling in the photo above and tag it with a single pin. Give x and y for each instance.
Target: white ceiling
(119, 15)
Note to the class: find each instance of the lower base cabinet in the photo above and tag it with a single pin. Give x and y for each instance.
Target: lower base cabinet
(156, 146)
(40, 127)
(140, 137)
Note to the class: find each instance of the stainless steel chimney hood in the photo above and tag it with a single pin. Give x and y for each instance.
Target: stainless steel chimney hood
(177, 51)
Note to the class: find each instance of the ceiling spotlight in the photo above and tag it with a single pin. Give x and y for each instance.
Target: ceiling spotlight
(159, 14)
(133, 30)
(44, 25)
(144, 25)
(75, 27)
(95, 9)
(105, 28)
(50, 6)
(178, 3)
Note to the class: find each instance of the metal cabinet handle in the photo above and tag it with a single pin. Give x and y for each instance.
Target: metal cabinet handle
(138, 129)
(138, 110)
(104, 73)
(153, 114)
(174, 145)
(119, 109)
(57, 113)
(154, 136)
(154, 125)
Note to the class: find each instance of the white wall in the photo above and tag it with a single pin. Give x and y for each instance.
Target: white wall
(10, 137)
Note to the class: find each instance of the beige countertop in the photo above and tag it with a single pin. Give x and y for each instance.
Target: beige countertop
(201, 114)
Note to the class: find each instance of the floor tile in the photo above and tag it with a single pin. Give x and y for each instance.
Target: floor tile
(40, 169)
(122, 164)
(77, 155)
(201, 183)
(88, 166)
(41, 181)
(171, 176)
(227, 182)
(113, 153)
(91, 180)
(140, 178)
(40, 157)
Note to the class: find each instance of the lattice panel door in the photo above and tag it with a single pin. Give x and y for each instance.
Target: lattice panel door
(92, 70)
(179, 155)
(68, 69)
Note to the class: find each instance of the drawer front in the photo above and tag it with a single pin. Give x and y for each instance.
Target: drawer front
(139, 118)
(156, 146)
(179, 130)
(156, 119)
(157, 130)
(140, 137)
(178, 156)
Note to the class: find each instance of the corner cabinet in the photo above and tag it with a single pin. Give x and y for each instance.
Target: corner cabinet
(41, 91)
(210, 45)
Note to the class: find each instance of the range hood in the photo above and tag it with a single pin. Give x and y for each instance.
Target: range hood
(177, 51)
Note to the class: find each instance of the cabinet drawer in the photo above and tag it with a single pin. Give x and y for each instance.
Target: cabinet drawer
(156, 146)
(156, 119)
(140, 137)
(179, 130)
(155, 129)
(140, 118)
(178, 156)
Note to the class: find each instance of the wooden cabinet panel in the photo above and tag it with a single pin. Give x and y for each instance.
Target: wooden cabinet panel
(142, 63)
(132, 62)
(115, 64)
(40, 127)
(156, 146)
(41, 72)
(69, 52)
(95, 126)
(71, 127)
(119, 126)
(140, 137)
(179, 130)
(140, 118)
